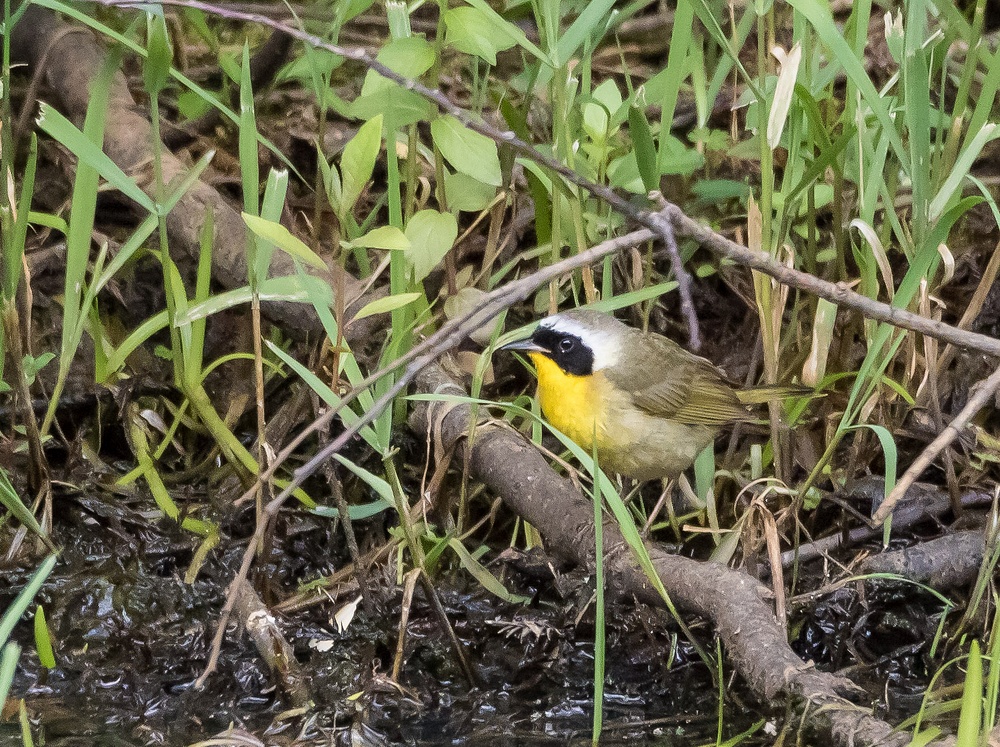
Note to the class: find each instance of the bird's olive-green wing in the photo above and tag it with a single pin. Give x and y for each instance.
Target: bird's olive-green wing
(666, 381)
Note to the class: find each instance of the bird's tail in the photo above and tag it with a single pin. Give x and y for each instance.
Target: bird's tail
(760, 395)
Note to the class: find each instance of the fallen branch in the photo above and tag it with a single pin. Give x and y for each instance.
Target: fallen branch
(983, 394)
(273, 647)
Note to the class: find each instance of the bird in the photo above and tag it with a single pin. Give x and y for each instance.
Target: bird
(646, 405)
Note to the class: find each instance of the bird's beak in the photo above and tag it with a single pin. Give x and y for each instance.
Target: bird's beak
(526, 344)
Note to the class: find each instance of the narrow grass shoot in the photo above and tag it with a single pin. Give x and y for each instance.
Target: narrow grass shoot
(21, 602)
(971, 715)
(599, 620)
(43, 640)
(10, 651)
(81, 220)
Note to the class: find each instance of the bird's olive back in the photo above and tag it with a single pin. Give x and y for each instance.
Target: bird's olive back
(669, 382)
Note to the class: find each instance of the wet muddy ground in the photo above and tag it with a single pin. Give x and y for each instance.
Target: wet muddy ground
(131, 637)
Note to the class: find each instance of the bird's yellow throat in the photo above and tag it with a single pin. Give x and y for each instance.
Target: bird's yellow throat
(573, 404)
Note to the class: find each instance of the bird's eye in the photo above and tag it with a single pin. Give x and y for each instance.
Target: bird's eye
(566, 344)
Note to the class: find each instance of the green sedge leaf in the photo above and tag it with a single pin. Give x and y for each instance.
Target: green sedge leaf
(282, 238)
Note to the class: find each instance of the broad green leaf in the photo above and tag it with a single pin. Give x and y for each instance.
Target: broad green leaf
(33, 364)
(515, 33)
(467, 300)
(398, 106)
(610, 97)
(467, 193)
(282, 238)
(411, 57)
(383, 237)
(431, 236)
(645, 150)
(358, 161)
(467, 151)
(598, 113)
(319, 62)
(678, 159)
(595, 121)
(472, 31)
(720, 190)
(156, 67)
(623, 173)
(331, 179)
(386, 304)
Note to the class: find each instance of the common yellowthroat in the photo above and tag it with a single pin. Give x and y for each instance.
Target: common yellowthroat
(650, 405)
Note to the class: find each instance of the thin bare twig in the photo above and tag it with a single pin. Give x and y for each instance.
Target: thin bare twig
(838, 293)
(977, 401)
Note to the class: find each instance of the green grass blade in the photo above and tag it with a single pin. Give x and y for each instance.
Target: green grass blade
(970, 717)
(599, 622)
(14, 254)
(20, 604)
(486, 579)
(962, 168)
(43, 640)
(328, 396)
(8, 665)
(86, 146)
(581, 30)
(680, 40)
(818, 15)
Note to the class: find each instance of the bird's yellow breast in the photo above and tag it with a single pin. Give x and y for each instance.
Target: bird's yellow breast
(573, 404)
